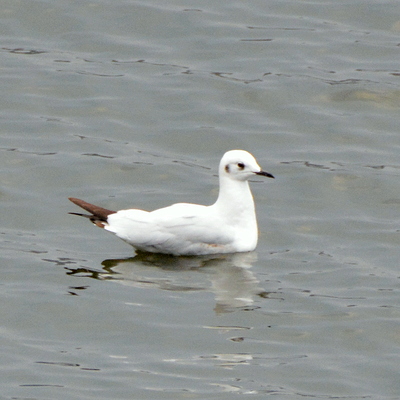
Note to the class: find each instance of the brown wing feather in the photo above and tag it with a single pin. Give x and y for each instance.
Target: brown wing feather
(99, 213)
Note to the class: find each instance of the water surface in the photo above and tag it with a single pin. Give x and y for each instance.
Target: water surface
(132, 104)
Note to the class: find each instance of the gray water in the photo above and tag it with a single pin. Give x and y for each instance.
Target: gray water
(132, 104)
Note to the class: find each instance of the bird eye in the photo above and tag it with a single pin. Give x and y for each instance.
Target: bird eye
(240, 165)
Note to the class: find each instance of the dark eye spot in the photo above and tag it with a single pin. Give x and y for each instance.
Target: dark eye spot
(227, 168)
(240, 165)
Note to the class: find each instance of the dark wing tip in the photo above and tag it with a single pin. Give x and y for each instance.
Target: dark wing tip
(98, 212)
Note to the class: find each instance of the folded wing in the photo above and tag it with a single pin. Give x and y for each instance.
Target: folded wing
(180, 228)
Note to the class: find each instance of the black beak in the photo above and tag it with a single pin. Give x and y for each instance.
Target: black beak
(267, 174)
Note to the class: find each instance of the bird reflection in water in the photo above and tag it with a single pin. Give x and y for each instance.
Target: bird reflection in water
(232, 281)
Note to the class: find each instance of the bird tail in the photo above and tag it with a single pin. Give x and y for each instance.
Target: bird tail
(98, 214)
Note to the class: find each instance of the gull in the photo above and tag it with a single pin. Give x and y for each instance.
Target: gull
(183, 229)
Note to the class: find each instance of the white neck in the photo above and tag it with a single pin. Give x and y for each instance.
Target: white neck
(235, 200)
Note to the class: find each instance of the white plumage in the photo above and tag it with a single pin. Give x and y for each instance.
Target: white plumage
(227, 226)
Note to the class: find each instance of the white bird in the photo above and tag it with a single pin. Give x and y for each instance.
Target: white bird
(227, 226)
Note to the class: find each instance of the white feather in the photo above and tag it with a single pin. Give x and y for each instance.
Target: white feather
(227, 226)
